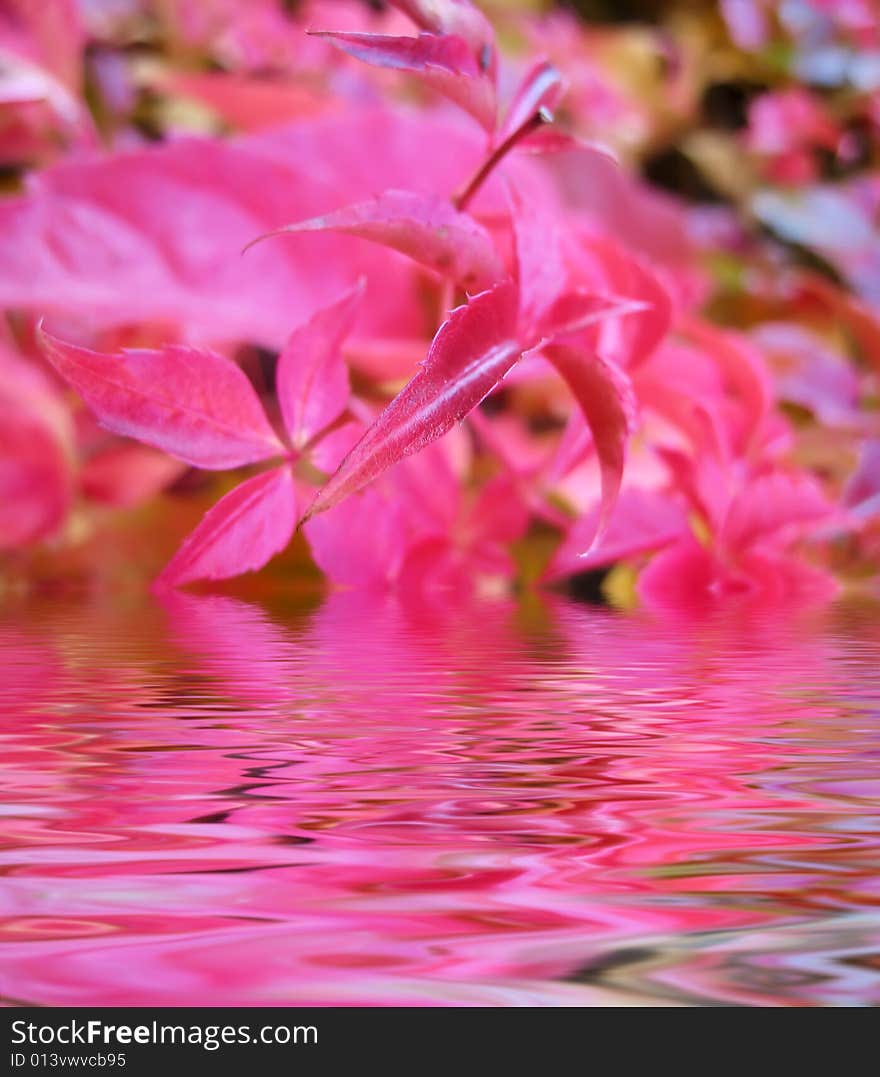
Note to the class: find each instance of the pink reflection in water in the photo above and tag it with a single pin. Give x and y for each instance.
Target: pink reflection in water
(208, 803)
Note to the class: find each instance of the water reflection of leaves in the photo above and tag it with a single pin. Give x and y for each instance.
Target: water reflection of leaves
(467, 803)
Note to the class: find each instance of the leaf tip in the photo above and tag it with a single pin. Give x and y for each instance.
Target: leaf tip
(593, 544)
(43, 338)
(259, 239)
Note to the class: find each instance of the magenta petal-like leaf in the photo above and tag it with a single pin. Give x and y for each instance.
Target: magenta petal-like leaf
(312, 378)
(550, 304)
(425, 227)
(642, 520)
(541, 258)
(447, 51)
(741, 365)
(541, 87)
(189, 402)
(576, 310)
(243, 531)
(604, 394)
(446, 62)
(458, 17)
(36, 458)
(773, 508)
(627, 276)
(470, 354)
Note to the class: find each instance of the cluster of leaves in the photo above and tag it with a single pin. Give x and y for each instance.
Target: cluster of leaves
(469, 324)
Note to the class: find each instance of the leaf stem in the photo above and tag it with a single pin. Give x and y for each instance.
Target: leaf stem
(465, 196)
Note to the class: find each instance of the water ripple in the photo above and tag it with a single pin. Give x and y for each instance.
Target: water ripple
(212, 802)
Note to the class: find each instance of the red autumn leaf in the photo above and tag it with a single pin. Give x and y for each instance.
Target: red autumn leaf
(243, 531)
(446, 62)
(470, 354)
(604, 394)
(426, 228)
(189, 402)
(312, 378)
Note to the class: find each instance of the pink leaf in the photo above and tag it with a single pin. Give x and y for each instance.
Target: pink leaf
(542, 266)
(507, 439)
(703, 414)
(446, 62)
(551, 304)
(499, 514)
(243, 531)
(126, 474)
(458, 17)
(640, 217)
(418, 497)
(550, 140)
(774, 508)
(605, 396)
(42, 46)
(627, 276)
(50, 34)
(704, 478)
(362, 542)
(424, 227)
(429, 50)
(470, 354)
(245, 102)
(688, 579)
(682, 577)
(36, 481)
(574, 311)
(742, 368)
(541, 87)
(154, 234)
(642, 520)
(189, 402)
(312, 378)
(574, 446)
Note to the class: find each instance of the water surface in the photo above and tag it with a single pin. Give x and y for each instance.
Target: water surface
(212, 801)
